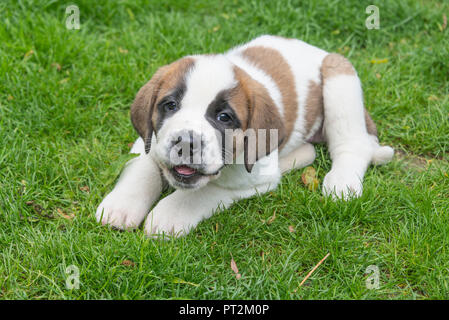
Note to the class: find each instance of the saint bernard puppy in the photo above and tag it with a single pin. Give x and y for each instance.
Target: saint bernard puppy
(222, 127)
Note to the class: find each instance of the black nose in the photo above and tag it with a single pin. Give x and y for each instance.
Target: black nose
(188, 142)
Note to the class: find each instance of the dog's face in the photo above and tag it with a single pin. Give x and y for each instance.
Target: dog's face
(199, 109)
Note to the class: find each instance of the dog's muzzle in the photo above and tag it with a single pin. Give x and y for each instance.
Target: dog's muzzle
(187, 160)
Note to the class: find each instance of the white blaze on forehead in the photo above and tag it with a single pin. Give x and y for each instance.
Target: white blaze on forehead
(210, 75)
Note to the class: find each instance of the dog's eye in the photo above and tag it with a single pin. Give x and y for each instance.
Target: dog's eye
(170, 106)
(224, 117)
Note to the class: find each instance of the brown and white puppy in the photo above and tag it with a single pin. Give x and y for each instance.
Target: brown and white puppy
(224, 127)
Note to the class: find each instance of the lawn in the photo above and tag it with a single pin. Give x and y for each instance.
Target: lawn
(64, 128)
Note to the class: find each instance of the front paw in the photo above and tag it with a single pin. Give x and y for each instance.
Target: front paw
(169, 220)
(342, 184)
(122, 211)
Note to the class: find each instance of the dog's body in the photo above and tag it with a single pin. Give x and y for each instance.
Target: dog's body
(302, 93)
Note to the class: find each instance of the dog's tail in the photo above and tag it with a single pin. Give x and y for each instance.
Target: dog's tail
(381, 154)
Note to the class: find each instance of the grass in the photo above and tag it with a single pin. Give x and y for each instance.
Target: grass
(64, 121)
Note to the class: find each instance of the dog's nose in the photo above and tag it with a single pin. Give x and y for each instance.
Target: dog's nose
(188, 143)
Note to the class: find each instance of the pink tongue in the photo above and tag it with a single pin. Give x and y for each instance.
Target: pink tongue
(184, 170)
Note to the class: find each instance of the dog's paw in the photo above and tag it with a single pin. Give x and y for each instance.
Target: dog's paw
(341, 184)
(122, 211)
(168, 220)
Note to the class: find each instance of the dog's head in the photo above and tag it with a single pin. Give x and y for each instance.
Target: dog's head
(200, 109)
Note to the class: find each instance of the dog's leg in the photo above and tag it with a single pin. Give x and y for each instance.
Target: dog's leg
(178, 213)
(138, 187)
(351, 147)
(299, 158)
(181, 211)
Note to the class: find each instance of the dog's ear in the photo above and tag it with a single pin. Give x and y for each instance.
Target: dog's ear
(262, 116)
(143, 107)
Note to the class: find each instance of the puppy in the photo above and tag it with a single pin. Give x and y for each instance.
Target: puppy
(223, 127)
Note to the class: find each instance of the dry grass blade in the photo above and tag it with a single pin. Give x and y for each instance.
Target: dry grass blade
(128, 263)
(272, 218)
(311, 271)
(56, 65)
(234, 268)
(85, 189)
(64, 215)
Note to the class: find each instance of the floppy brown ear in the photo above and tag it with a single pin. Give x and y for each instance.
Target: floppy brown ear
(143, 107)
(263, 114)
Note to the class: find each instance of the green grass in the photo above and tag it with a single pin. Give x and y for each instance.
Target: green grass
(61, 130)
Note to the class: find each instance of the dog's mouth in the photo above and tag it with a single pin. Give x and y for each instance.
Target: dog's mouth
(185, 171)
(187, 176)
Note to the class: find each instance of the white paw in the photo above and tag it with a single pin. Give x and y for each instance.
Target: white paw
(122, 210)
(171, 220)
(342, 184)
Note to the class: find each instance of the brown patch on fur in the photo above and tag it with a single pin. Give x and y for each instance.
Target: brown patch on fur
(272, 63)
(239, 97)
(370, 125)
(314, 105)
(165, 79)
(335, 64)
(260, 111)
